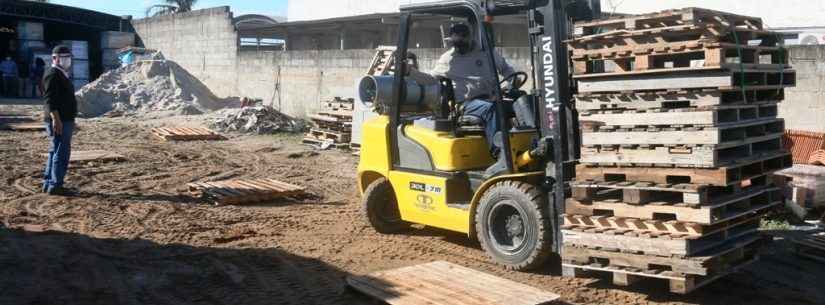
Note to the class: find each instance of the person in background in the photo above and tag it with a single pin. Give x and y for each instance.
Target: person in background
(36, 77)
(61, 110)
(9, 70)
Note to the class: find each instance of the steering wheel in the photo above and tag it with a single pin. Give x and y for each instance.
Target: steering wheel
(516, 82)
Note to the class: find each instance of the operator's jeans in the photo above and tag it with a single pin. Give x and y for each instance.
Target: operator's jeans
(59, 153)
(486, 111)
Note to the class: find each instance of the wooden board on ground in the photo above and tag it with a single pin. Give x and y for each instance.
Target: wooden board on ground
(24, 126)
(727, 208)
(443, 283)
(706, 263)
(679, 283)
(244, 190)
(80, 156)
(811, 246)
(671, 175)
(186, 134)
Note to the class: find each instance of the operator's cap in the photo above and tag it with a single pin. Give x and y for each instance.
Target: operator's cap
(61, 50)
(460, 29)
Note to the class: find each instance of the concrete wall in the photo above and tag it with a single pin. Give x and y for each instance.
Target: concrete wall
(297, 81)
(204, 42)
(804, 106)
(786, 13)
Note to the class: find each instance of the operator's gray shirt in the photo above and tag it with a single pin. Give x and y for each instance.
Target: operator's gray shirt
(471, 73)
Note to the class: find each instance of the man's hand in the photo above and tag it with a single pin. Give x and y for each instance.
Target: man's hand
(57, 124)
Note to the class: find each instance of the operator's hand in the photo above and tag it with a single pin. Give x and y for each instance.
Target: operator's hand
(57, 127)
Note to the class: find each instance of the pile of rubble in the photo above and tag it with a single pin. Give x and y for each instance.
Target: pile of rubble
(259, 120)
(150, 86)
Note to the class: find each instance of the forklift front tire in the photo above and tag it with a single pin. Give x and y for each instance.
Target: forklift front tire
(380, 208)
(513, 225)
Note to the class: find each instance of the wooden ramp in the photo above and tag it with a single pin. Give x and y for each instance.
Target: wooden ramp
(243, 191)
(186, 134)
(81, 156)
(443, 283)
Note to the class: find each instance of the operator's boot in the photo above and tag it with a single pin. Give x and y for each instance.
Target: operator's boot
(500, 167)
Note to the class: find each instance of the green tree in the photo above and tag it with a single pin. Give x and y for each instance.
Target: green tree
(171, 7)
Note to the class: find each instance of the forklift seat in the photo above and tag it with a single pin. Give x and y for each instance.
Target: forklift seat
(468, 123)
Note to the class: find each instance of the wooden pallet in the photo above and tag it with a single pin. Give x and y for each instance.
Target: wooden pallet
(727, 208)
(323, 143)
(243, 191)
(186, 134)
(679, 283)
(383, 62)
(700, 156)
(722, 176)
(707, 263)
(705, 116)
(690, 230)
(728, 77)
(323, 135)
(340, 104)
(676, 99)
(668, 18)
(689, 54)
(633, 192)
(443, 283)
(728, 135)
(24, 126)
(811, 246)
(82, 156)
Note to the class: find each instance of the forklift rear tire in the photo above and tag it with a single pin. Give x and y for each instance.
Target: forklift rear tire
(380, 208)
(513, 225)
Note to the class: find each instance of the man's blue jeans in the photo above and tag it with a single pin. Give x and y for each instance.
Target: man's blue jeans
(487, 112)
(59, 153)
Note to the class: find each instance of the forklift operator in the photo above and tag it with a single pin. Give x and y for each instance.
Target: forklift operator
(470, 70)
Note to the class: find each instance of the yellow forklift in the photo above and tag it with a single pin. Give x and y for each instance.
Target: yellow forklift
(423, 161)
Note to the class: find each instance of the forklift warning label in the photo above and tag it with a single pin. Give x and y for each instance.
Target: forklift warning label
(421, 187)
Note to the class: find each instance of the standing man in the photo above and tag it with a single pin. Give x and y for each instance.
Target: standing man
(61, 110)
(9, 70)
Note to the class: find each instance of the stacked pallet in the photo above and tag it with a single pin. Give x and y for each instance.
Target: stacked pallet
(332, 125)
(683, 133)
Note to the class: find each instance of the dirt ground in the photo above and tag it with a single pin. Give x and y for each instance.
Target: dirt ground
(133, 236)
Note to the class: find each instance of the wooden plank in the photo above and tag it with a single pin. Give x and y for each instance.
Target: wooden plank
(733, 207)
(446, 283)
(80, 156)
(25, 127)
(660, 245)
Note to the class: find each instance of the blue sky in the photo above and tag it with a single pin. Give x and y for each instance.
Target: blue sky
(129, 7)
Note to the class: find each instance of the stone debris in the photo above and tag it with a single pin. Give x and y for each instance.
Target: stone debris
(258, 120)
(146, 87)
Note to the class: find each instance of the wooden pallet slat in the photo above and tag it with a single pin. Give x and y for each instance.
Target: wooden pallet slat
(442, 283)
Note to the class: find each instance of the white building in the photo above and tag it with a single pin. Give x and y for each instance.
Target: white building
(806, 17)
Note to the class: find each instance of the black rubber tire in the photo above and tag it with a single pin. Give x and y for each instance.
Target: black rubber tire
(528, 214)
(380, 207)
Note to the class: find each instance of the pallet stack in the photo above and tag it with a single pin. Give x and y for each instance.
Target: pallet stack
(332, 125)
(683, 133)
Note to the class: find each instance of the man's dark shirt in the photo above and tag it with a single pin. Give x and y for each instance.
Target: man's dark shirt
(59, 95)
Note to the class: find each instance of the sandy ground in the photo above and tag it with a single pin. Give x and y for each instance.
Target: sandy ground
(133, 236)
